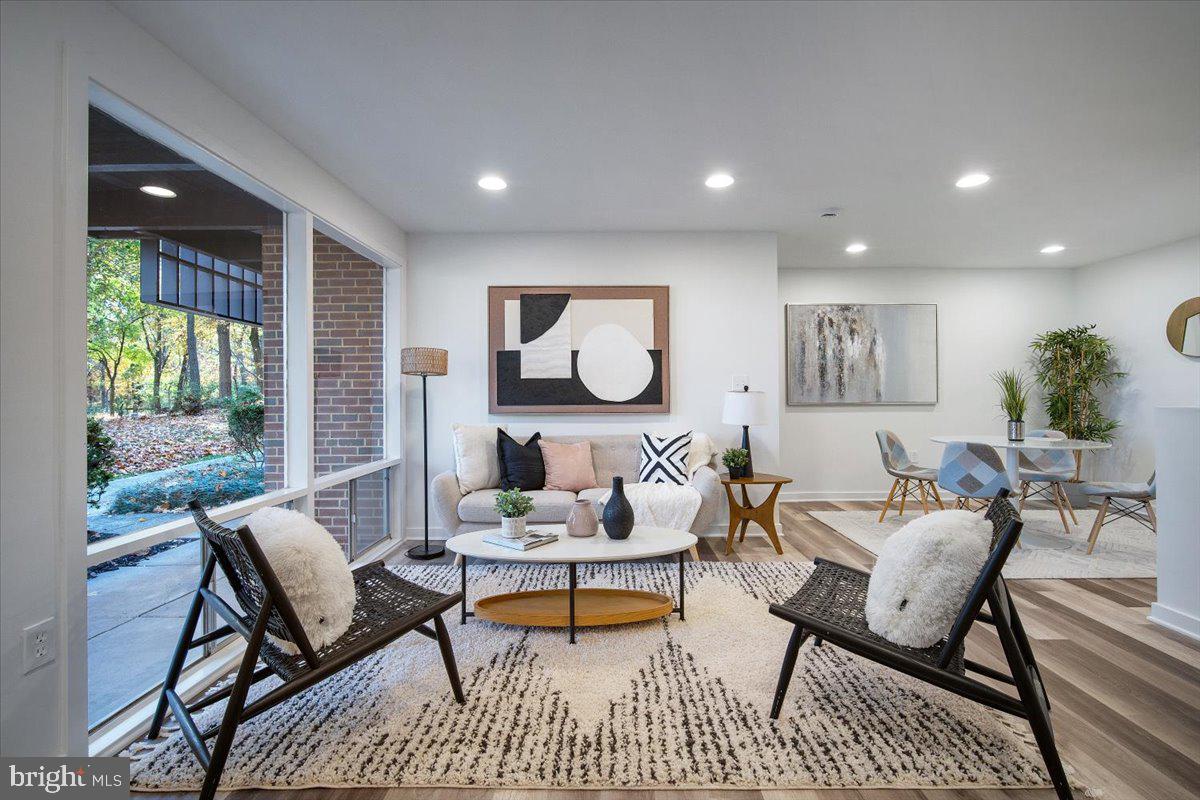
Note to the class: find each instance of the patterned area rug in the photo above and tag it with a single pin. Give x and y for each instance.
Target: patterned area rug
(656, 704)
(1124, 550)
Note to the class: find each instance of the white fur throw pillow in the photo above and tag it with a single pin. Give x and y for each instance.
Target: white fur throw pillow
(476, 462)
(923, 575)
(312, 570)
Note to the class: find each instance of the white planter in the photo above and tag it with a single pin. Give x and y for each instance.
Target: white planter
(512, 527)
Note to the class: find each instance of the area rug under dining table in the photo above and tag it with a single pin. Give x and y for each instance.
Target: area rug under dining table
(660, 704)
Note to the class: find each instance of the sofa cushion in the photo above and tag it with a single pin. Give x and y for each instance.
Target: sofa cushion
(548, 506)
(521, 465)
(612, 454)
(595, 495)
(476, 460)
(664, 459)
(568, 466)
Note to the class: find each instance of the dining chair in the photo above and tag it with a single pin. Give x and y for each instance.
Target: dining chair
(1042, 473)
(898, 464)
(974, 472)
(1126, 500)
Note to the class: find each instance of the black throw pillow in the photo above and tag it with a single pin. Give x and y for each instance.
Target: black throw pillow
(521, 465)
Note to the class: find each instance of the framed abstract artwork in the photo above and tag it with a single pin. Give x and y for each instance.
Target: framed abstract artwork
(857, 354)
(579, 349)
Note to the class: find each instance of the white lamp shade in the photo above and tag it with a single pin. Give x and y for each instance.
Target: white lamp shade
(745, 408)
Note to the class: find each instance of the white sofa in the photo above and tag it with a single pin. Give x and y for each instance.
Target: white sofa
(611, 455)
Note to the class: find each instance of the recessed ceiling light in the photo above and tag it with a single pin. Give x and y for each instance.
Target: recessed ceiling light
(973, 179)
(1051, 249)
(158, 191)
(719, 180)
(493, 183)
(856, 248)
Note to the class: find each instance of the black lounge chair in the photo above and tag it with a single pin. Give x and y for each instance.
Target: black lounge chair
(831, 605)
(387, 607)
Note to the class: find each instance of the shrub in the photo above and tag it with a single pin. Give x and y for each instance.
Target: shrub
(212, 486)
(100, 461)
(190, 404)
(513, 503)
(244, 415)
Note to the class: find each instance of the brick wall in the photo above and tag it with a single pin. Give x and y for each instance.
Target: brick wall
(347, 373)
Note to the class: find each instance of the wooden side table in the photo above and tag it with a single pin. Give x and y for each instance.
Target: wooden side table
(742, 513)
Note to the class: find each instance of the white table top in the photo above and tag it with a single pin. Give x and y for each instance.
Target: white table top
(1028, 443)
(643, 542)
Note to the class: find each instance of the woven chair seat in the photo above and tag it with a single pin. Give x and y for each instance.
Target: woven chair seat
(835, 597)
(385, 603)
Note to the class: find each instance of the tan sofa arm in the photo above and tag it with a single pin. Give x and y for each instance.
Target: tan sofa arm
(712, 495)
(444, 497)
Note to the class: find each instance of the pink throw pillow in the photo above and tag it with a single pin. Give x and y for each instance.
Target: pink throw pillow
(568, 466)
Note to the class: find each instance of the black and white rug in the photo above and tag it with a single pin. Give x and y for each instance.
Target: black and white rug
(656, 704)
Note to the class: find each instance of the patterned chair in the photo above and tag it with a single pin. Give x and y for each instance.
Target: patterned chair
(1043, 473)
(1126, 500)
(972, 471)
(898, 464)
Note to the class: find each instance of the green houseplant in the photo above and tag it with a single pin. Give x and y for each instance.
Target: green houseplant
(1014, 400)
(513, 507)
(101, 458)
(735, 460)
(1072, 365)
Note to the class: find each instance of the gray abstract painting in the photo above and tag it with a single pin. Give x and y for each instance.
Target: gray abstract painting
(846, 353)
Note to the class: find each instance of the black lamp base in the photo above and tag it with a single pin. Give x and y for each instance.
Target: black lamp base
(426, 552)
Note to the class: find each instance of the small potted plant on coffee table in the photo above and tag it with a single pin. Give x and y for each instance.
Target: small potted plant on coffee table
(1014, 397)
(735, 460)
(513, 507)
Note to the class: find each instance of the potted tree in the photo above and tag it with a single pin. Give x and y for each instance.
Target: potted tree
(1014, 399)
(513, 507)
(735, 460)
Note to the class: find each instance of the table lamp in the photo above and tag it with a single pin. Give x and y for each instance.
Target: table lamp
(424, 361)
(745, 408)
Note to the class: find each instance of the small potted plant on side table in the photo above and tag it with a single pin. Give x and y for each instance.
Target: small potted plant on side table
(735, 460)
(1014, 397)
(513, 507)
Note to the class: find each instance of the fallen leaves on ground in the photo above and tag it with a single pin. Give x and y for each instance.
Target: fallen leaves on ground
(160, 441)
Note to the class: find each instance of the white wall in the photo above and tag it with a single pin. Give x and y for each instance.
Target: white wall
(723, 321)
(986, 319)
(1130, 299)
(50, 51)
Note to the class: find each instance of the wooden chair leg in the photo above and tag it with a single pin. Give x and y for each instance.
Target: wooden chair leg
(903, 496)
(937, 495)
(1058, 501)
(1097, 525)
(695, 553)
(443, 640)
(921, 491)
(887, 503)
(1024, 495)
(788, 668)
(1150, 516)
(1067, 502)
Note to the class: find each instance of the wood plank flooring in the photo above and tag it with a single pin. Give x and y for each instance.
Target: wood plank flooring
(1125, 692)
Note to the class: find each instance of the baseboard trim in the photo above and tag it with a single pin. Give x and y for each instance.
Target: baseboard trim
(1176, 620)
(833, 497)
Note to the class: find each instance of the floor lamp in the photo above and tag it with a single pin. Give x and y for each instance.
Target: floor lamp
(424, 361)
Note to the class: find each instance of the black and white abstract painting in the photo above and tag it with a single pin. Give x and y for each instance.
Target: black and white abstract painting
(578, 349)
(854, 354)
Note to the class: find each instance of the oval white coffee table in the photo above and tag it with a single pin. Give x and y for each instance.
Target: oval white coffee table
(572, 607)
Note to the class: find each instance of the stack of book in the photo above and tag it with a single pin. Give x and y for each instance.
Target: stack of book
(530, 540)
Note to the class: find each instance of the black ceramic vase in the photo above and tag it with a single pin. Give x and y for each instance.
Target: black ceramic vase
(618, 514)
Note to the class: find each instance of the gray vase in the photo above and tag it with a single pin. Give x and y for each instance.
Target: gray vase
(618, 514)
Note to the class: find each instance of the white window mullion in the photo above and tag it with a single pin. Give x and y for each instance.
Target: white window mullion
(394, 284)
(299, 467)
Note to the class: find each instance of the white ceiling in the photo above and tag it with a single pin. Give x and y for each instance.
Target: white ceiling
(608, 116)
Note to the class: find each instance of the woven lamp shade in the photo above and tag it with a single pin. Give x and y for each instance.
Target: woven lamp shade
(423, 361)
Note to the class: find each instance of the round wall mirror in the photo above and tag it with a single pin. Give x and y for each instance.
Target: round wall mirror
(1183, 328)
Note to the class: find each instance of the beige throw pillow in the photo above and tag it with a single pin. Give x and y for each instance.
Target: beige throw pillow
(476, 461)
(568, 466)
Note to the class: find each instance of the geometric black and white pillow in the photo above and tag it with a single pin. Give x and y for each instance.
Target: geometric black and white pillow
(664, 458)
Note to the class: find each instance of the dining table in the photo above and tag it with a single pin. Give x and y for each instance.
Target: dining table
(1012, 462)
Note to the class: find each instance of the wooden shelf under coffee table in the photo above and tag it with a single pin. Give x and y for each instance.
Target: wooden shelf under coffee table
(574, 607)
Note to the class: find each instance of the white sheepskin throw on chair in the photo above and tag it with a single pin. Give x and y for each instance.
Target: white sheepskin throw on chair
(923, 575)
(312, 570)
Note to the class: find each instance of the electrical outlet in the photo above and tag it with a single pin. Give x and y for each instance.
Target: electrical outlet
(739, 381)
(39, 641)
(915, 455)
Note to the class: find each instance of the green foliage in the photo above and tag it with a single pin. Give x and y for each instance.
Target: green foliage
(1014, 393)
(100, 461)
(190, 404)
(1072, 365)
(244, 414)
(512, 503)
(114, 308)
(734, 457)
(212, 486)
